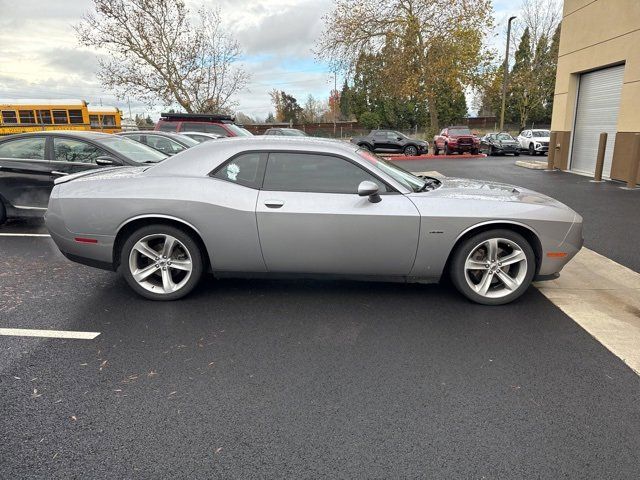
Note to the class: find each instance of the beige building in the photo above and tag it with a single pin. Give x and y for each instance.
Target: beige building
(598, 85)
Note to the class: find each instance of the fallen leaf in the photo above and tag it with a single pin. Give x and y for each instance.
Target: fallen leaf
(73, 417)
(218, 450)
(173, 393)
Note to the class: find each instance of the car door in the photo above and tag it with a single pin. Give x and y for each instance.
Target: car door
(394, 142)
(523, 139)
(311, 219)
(380, 141)
(25, 173)
(70, 155)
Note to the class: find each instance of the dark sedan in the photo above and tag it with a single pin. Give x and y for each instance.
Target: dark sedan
(499, 144)
(30, 162)
(165, 142)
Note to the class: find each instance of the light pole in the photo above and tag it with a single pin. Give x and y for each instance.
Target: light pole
(506, 74)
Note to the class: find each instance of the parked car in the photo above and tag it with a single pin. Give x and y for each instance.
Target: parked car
(194, 122)
(30, 162)
(165, 142)
(390, 141)
(202, 136)
(534, 141)
(456, 139)
(499, 144)
(287, 132)
(277, 206)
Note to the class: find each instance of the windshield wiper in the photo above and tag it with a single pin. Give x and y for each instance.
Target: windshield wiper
(429, 182)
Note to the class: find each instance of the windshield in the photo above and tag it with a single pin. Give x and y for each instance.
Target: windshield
(401, 135)
(459, 131)
(407, 179)
(239, 131)
(540, 133)
(504, 136)
(133, 150)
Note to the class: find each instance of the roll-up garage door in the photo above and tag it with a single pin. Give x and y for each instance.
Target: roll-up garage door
(596, 112)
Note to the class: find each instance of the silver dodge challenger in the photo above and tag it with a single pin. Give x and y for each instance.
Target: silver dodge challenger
(298, 206)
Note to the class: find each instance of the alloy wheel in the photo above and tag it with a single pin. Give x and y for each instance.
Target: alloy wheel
(495, 268)
(411, 151)
(160, 263)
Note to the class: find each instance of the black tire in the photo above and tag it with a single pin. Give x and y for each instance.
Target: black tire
(3, 213)
(365, 146)
(532, 150)
(491, 152)
(517, 154)
(447, 151)
(410, 151)
(192, 247)
(457, 266)
(474, 151)
(435, 149)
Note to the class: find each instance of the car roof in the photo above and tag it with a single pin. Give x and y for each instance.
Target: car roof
(190, 161)
(81, 134)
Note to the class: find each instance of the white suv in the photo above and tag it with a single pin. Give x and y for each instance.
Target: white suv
(534, 141)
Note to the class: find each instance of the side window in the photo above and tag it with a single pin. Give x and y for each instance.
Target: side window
(27, 116)
(44, 117)
(392, 136)
(165, 126)
(59, 116)
(70, 150)
(29, 148)
(192, 127)
(109, 120)
(132, 136)
(75, 116)
(245, 169)
(9, 116)
(94, 120)
(380, 135)
(213, 128)
(302, 172)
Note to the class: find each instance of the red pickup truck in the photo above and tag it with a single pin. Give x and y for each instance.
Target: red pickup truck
(456, 140)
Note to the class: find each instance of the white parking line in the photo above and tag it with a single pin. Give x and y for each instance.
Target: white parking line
(24, 235)
(28, 332)
(603, 297)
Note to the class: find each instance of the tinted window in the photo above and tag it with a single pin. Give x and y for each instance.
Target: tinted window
(9, 116)
(59, 116)
(75, 116)
(32, 148)
(459, 131)
(27, 116)
(133, 136)
(301, 172)
(70, 150)
(164, 126)
(212, 128)
(244, 169)
(44, 116)
(380, 134)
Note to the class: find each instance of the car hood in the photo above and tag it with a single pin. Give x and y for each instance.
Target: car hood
(469, 189)
(540, 139)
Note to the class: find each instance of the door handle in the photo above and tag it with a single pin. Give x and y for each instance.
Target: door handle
(273, 203)
(56, 172)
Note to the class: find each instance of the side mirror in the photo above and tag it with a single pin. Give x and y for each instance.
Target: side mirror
(106, 160)
(369, 189)
(398, 138)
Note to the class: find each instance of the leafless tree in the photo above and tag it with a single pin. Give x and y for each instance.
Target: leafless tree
(157, 53)
(541, 17)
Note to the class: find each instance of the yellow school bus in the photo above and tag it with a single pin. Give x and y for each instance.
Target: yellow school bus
(32, 115)
(105, 119)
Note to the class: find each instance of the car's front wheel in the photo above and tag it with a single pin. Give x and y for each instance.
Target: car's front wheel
(532, 150)
(410, 151)
(161, 262)
(493, 267)
(3, 213)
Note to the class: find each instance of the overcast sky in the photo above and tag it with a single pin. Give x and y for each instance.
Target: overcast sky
(40, 57)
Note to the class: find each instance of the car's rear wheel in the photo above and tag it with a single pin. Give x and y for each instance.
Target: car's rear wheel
(493, 267)
(410, 151)
(161, 262)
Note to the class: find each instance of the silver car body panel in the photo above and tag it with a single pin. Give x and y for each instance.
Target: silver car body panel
(407, 235)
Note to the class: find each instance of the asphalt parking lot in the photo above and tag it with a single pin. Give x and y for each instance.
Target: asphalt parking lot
(303, 379)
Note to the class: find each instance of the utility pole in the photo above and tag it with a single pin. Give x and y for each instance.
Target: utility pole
(506, 75)
(129, 105)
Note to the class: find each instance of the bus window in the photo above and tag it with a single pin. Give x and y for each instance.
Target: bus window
(9, 116)
(44, 117)
(75, 116)
(109, 120)
(95, 121)
(60, 116)
(27, 116)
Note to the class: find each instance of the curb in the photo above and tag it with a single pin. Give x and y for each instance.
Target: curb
(532, 164)
(399, 156)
